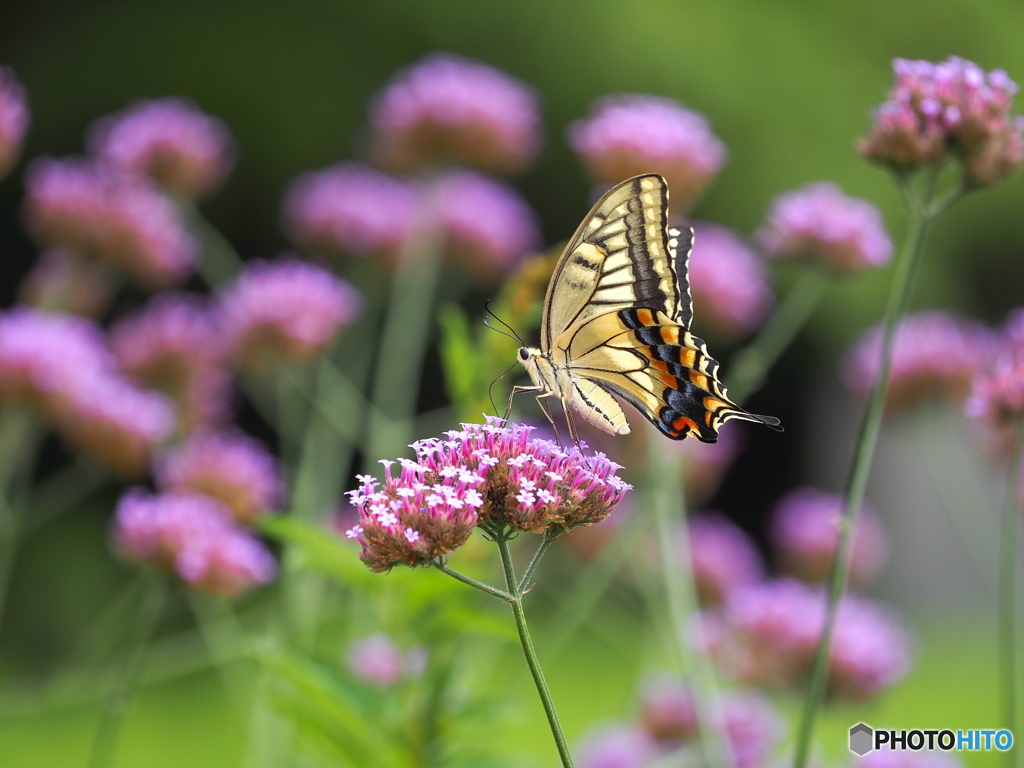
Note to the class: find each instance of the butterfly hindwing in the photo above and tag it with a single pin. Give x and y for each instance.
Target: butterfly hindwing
(622, 255)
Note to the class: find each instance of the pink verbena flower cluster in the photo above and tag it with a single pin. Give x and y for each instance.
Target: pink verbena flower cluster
(451, 108)
(819, 222)
(935, 355)
(60, 365)
(286, 309)
(484, 473)
(229, 466)
(194, 537)
(106, 214)
(722, 556)
(997, 393)
(948, 108)
(169, 140)
(630, 134)
(766, 634)
(14, 119)
(728, 282)
(379, 661)
(805, 534)
(750, 728)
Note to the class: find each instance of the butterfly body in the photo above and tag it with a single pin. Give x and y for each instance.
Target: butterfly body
(616, 322)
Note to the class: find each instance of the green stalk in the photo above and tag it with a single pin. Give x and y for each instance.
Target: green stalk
(668, 500)
(117, 703)
(493, 591)
(1008, 593)
(408, 321)
(528, 650)
(16, 428)
(753, 362)
(921, 218)
(546, 542)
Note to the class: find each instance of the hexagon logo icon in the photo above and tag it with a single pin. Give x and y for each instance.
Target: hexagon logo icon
(861, 739)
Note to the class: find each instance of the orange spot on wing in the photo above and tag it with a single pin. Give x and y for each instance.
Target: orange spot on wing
(687, 356)
(645, 316)
(670, 334)
(681, 423)
(659, 365)
(699, 379)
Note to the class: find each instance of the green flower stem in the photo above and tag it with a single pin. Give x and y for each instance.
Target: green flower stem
(546, 542)
(402, 346)
(899, 298)
(528, 650)
(668, 501)
(16, 446)
(752, 364)
(494, 591)
(1008, 593)
(220, 262)
(117, 703)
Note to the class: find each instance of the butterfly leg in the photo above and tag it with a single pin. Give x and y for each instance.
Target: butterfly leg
(542, 402)
(571, 423)
(518, 389)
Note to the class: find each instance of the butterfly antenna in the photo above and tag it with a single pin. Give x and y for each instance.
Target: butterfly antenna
(490, 389)
(512, 335)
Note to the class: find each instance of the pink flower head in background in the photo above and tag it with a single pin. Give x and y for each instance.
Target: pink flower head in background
(935, 355)
(14, 119)
(350, 209)
(60, 280)
(953, 107)
(114, 421)
(618, 747)
(481, 473)
(819, 222)
(229, 466)
(723, 556)
(94, 210)
(448, 108)
(194, 537)
(1013, 329)
(377, 660)
(884, 757)
(42, 353)
(629, 134)
(997, 393)
(170, 140)
(487, 225)
(805, 533)
(176, 343)
(752, 728)
(766, 634)
(286, 309)
(667, 710)
(728, 282)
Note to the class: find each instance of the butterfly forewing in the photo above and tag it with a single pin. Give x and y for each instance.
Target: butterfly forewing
(621, 256)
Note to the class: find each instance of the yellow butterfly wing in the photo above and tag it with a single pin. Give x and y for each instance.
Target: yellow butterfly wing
(616, 319)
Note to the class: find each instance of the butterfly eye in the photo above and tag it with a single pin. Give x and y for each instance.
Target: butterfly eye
(524, 354)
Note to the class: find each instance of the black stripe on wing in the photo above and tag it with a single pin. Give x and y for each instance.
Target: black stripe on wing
(680, 244)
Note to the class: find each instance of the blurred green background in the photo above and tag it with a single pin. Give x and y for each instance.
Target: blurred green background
(787, 85)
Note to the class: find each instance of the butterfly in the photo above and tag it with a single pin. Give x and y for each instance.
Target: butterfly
(616, 322)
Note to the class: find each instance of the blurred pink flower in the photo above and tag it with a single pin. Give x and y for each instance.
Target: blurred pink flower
(350, 209)
(194, 537)
(379, 661)
(819, 222)
(667, 710)
(170, 140)
(723, 556)
(805, 533)
(449, 108)
(618, 747)
(488, 226)
(96, 211)
(286, 309)
(888, 758)
(935, 354)
(728, 282)
(14, 119)
(950, 107)
(229, 466)
(997, 393)
(752, 728)
(107, 417)
(629, 134)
